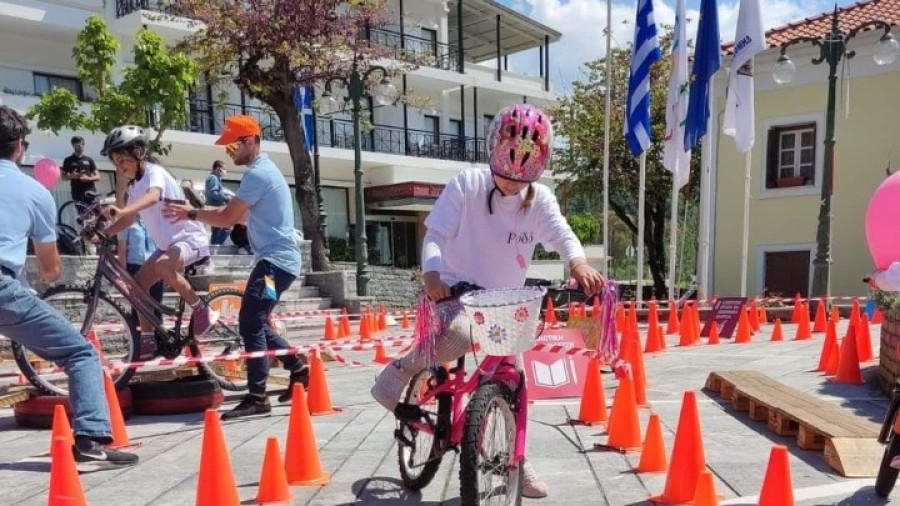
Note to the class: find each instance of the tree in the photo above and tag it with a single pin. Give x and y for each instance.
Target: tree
(580, 117)
(270, 47)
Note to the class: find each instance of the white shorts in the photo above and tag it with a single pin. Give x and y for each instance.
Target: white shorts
(189, 251)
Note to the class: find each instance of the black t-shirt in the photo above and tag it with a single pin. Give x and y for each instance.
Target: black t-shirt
(80, 165)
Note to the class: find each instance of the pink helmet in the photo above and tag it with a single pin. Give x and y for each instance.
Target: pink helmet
(519, 143)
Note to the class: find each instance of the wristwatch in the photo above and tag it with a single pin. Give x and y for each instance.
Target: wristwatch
(192, 214)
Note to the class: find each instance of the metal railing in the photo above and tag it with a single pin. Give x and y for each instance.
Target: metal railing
(417, 49)
(209, 118)
(126, 7)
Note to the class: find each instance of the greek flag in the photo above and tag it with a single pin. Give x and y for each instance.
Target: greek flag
(645, 53)
(303, 97)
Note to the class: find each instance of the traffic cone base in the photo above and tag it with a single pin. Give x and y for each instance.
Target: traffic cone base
(653, 456)
(273, 484)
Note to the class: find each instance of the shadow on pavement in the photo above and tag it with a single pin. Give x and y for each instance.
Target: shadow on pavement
(388, 491)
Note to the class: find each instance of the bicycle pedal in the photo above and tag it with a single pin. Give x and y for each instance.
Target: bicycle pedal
(402, 439)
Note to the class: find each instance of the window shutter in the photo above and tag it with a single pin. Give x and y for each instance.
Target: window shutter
(772, 158)
(815, 148)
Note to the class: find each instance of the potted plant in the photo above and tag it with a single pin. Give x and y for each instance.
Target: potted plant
(788, 182)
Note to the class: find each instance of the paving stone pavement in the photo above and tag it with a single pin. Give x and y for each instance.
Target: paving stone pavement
(357, 446)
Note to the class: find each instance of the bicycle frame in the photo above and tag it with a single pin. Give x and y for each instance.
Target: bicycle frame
(457, 386)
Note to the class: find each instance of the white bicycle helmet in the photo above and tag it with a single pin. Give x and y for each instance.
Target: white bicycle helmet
(124, 137)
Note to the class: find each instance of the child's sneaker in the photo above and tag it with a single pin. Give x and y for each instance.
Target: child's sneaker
(204, 319)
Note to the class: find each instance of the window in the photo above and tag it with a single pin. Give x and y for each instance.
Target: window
(791, 159)
(45, 83)
(433, 126)
(455, 127)
(487, 119)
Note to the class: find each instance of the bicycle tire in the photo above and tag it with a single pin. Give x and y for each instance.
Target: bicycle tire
(419, 477)
(887, 475)
(487, 396)
(227, 333)
(110, 343)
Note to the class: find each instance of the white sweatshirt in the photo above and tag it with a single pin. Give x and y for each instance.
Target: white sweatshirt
(465, 242)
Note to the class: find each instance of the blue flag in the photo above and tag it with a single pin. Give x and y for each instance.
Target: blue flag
(644, 54)
(303, 97)
(707, 60)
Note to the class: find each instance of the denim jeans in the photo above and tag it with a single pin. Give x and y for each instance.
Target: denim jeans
(254, 327)
(218, 236)
(29, 321)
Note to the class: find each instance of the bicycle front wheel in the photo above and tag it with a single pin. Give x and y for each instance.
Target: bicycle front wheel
(416, 449)
(887, 475)
(114, 328)
(223, 339)
(489, 441)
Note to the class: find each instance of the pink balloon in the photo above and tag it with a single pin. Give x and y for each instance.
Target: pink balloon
(883, 223)
(46, 171)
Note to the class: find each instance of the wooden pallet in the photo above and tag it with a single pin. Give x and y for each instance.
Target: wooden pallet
(849, 442)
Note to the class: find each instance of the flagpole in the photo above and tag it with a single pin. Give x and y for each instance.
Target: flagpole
(673, 238)
(745, 245)
(642, 187)
(606, 127)
(706, 198)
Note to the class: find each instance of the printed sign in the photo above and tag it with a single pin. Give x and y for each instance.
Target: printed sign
(554, 375)
(726, 313)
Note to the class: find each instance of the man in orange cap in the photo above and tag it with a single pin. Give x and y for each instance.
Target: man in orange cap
(265, 198)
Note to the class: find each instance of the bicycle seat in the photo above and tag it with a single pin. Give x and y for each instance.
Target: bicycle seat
(91, 196)
(191, 270)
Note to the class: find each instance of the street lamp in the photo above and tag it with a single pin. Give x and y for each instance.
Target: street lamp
(385, 93)
(832, 47)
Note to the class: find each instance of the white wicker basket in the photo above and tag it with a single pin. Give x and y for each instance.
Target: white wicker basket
(504, 321)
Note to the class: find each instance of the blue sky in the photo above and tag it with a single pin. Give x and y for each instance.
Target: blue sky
(582, 22)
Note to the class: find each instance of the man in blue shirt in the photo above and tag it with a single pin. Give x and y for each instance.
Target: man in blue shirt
(215, 197)
(27, 211)
(265, 198)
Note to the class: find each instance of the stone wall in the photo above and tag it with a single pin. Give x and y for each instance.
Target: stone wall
(395, 288)
(889, 364)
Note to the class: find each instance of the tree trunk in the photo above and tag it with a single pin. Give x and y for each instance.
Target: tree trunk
(655, 242)
(283, 104)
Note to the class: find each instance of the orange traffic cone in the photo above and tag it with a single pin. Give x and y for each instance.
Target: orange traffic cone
(620, 318)
(653, 456)
(662, 337)
(92, 338)
(685, 328)
(329, 327)
(635, 357)
(777, 487)
(405, 322)
(688, 459)
(820, 325)
(754, 316)
(672, 326)
(795, 315)
(593, 399)
(705, 495)
(116, 420)
(319, 398)
(878, 317)
(653, 315)
(215, 483)
(713, 333)
(777, 331)
(653, 339)
(382, 319)
(365, 331)
(301, 461)
(61, 427)
(827, 347)
(550, 313)
(835, 314)
(848, 367)
(854, 311)
(273, 484)
(834, 359)
(743, 330)
(380, 356)
(864, 340)
(65, 486)
(803, 328)
(624, 428)
(345, 323)
(763, 316)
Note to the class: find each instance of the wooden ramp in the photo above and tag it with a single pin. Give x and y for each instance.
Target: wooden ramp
(849, 442)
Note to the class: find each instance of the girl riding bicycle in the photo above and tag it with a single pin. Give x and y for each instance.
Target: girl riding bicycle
(483, 230)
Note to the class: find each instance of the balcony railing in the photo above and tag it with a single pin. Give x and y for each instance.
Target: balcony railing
(417, 49)
(126, 7)
(209, 117)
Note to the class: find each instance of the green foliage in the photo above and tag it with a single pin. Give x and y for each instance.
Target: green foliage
(541, 254)
(157, 81)
(339, 250)
(586, 227)
(889, 302)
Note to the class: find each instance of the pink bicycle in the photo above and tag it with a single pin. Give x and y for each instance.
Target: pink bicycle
(482, 416)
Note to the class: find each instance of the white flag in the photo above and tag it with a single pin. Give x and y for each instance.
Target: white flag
(675, 158)
(749, 39)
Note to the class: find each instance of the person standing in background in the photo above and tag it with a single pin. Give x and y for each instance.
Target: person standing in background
(81, 171)
(215, 197)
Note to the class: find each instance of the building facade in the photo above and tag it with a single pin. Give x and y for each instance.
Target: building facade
(788, 161)
(409, 153)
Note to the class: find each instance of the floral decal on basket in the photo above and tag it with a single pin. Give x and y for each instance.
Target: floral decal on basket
(497, 334)
(521, 314)
(478, 317)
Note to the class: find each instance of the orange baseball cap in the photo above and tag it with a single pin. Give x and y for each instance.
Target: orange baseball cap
(237, 126)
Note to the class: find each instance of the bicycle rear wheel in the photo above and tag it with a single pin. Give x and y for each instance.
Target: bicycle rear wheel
(223, 339)
(489, 441)
(417, 451)
(115, 330)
